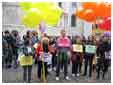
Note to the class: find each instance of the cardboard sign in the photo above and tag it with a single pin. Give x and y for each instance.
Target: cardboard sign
(90, 49)
(25, 60)
(46, 57)
(77, 48)
(63, 42)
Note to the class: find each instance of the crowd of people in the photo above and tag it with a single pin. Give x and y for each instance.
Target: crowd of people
(50, 53)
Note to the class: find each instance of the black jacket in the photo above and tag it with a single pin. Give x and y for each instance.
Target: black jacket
(102, 48)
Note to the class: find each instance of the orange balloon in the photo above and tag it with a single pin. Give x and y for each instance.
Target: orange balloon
(89, 15)
(79, 13)
(89, 5)
(108, 9)
(103, 10)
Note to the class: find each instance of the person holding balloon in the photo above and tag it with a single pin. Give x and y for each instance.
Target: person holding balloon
(42, 55)
(63, 47)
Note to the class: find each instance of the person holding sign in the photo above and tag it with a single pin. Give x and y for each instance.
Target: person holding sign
(77, 50)
(26, 61)
(63, 46)
(90, 50)
(42, 54)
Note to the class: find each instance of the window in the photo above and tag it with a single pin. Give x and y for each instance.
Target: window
(73, 20)
(74, 4)
(60, 4)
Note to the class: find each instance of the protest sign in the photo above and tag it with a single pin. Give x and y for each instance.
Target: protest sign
(77, 48)
(90, 48)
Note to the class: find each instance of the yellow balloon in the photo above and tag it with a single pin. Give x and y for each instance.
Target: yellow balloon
(32, 18)
(49, 12)
(56, 10)
(25, 6)
(42, 4)
(53, 15)
(52, 21)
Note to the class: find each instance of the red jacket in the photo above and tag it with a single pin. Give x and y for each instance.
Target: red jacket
(39, 49)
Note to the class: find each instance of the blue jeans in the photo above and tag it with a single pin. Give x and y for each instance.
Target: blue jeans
(88, 62)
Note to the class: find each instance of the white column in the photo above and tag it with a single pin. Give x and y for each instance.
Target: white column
(87, 30)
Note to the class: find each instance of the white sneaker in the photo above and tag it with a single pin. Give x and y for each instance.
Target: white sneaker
(67, 78)
(57, 78)
(49, 69)
(54, 68)
(78, 74)
(73, 75)
(61, 70)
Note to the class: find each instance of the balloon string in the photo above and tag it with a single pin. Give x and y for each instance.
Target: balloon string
(43, 67)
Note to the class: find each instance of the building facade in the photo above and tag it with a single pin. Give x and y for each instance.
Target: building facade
(74, 26)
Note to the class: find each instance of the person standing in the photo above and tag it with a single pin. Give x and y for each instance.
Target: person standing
(77, 59)
(34, 37)
(53, 52)
(42, 53)
(88, 57)
(63, 46)
(16, 46)
(9, 39)
(104, 57)
(26, 61)
(4, 52)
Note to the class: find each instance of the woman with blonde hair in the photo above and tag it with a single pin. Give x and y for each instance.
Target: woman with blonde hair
(42, 53)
